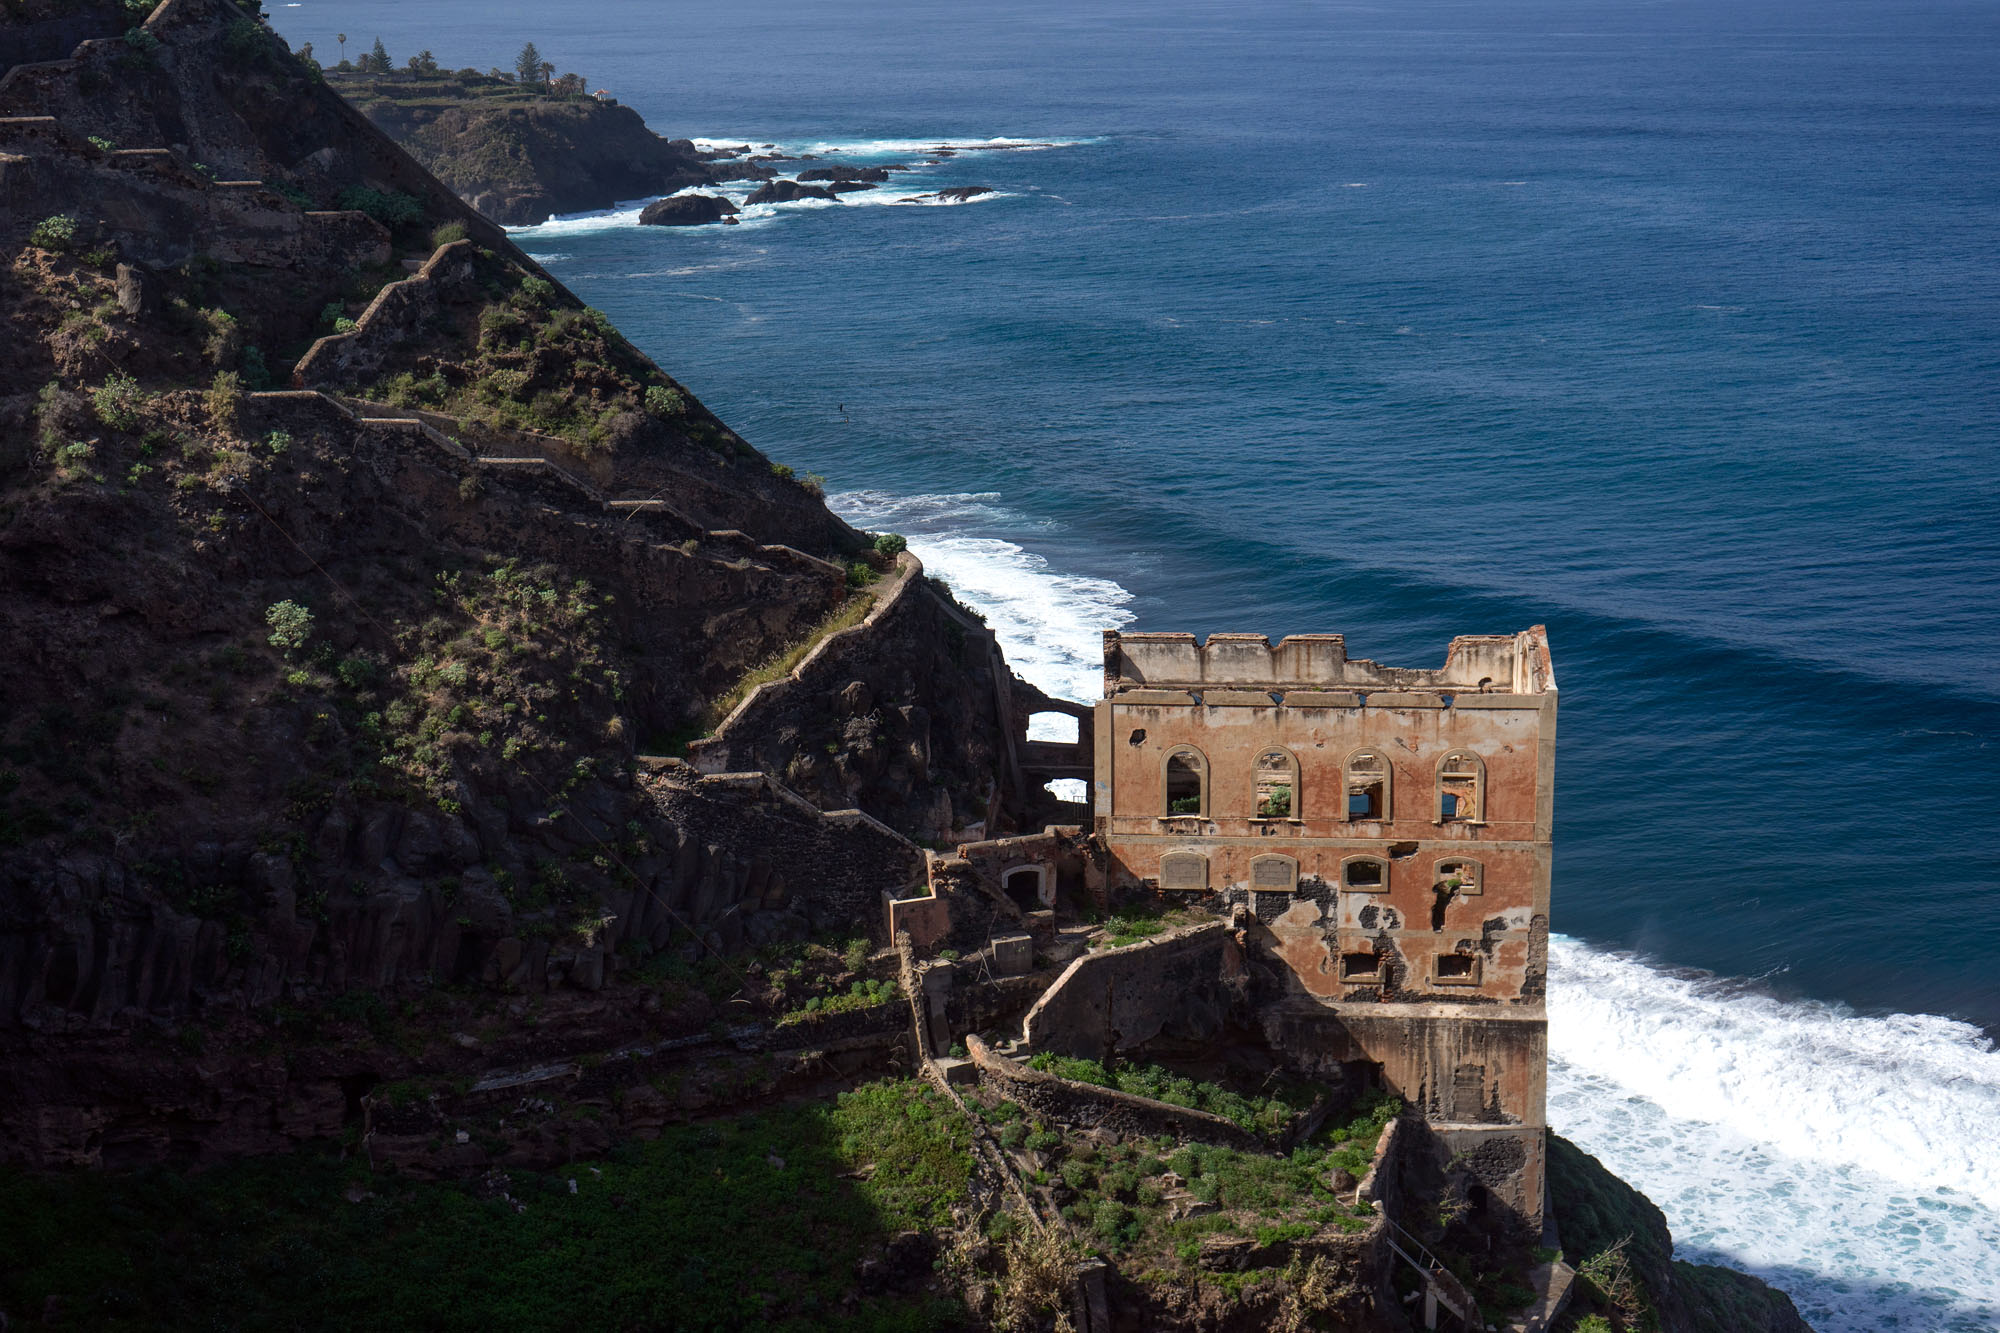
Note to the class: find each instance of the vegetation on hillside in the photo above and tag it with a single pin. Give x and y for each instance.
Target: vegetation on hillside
(758, 1221)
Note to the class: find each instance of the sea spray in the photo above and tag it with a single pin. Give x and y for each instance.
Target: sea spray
(1851, 1160)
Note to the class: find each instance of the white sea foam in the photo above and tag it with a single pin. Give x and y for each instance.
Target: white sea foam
(905, 188)
(1049, 622)
(1853, 1161)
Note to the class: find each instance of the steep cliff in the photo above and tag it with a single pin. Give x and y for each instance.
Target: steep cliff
(342, 689)
(521, 153)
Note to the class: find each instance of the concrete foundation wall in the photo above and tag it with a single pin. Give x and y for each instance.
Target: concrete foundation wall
(1111, 1001)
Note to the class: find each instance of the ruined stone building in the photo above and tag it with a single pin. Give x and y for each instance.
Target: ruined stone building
(1381, 837)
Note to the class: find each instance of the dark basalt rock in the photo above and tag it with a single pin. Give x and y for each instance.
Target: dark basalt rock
(845, 187)
(784, 192)
(956, 194)
(845, 174)
(686, 210)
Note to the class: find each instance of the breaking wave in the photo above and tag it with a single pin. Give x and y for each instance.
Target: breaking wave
(909, 188)
(1853, 1161)
(1049, 623)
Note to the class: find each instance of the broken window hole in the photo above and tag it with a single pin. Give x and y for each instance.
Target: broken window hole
(1367, 785)
(1138, 737)
(1361, 966)
(1461, 788)
(1364, 872)
(1187, 782)
(1277, 777)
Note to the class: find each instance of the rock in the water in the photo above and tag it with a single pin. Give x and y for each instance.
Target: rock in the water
(845, 187)
(957, 194)
(845, 174)
(784, 192)
(686, 210)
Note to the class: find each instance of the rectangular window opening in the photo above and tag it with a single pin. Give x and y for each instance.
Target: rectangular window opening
(1456, 965)
(1360, 966)
(1364, 874)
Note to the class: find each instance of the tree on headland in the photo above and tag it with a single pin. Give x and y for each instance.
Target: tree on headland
(528, 65)
(376, 61)
(341, 37)
(423, 62)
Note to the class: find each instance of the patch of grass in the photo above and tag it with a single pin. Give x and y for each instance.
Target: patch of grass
(391, 208)
(750, 1222)
(1259, 1114)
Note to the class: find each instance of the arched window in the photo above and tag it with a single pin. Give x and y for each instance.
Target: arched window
(1029, 887)
(1461, 788)
(1277, 785)
(1365, 874)
(1367, 785)
(1187, 782)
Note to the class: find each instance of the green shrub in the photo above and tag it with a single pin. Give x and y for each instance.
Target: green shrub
(537, 291)
(291, 625)
(224, 397)
(225, 337)
(815, 485)
(101, 144)
(118, 401)
(256, 374)
(141, 46)
(391, 208)
(278, 441)
(782, 472)
(246, 42)
(891, 544)
(287, 190)
(666, 403)
(449, 233)
(1593, 1323)
(54, 233)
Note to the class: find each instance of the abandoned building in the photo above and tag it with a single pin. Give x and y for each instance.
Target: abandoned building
(1371, 843)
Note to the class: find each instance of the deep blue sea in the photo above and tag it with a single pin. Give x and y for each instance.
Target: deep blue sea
(1675, 326)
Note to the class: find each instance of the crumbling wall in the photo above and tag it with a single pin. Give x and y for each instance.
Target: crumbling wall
(399, 313)
(897, 716)
(1176, 985)
(1088, 1106)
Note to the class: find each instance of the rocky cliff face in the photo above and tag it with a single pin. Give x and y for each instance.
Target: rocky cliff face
(519, 154)
(342, 690)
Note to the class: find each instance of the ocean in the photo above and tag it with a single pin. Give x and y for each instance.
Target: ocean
(1672, 325)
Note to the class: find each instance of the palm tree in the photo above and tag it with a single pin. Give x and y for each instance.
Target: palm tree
(341, 37)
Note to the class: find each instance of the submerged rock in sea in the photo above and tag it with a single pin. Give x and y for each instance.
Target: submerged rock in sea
(845, 174)
(686, 210)
(784, 192)
(957, 194)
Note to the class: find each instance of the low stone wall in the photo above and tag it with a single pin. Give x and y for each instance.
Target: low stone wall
(1117, 999)
(398, 312)
(735, 736)
(1094, 1107)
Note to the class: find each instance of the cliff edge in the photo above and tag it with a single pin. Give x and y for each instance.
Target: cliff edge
(519, 153)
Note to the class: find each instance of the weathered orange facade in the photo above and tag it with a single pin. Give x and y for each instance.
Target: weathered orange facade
(1388, 828)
